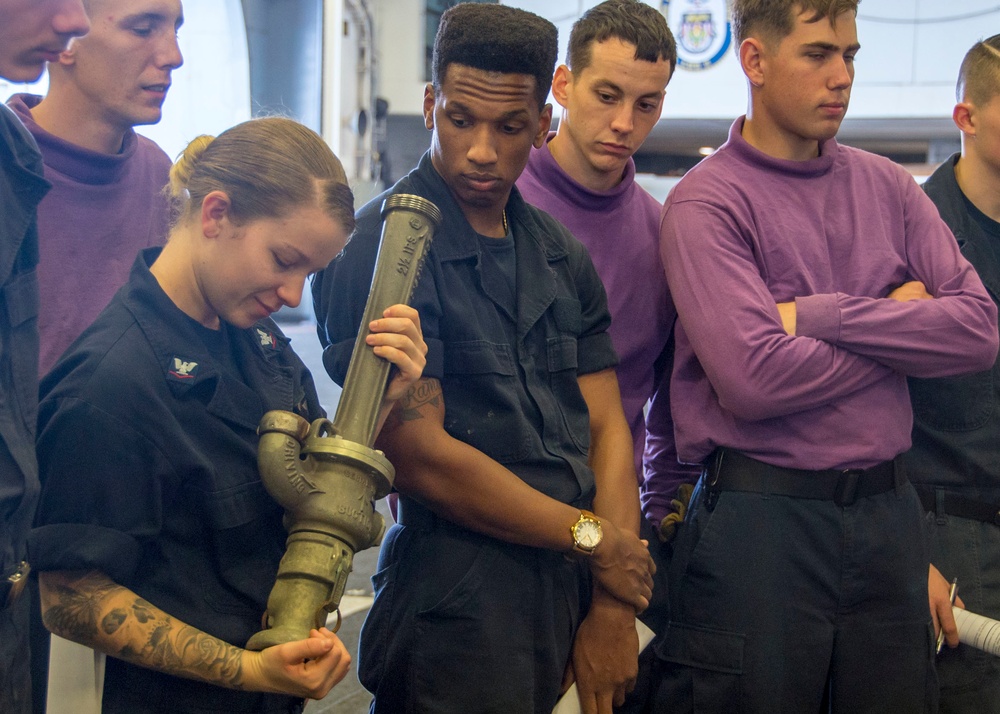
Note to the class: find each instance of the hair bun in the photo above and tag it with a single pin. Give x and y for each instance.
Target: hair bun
(183, 168)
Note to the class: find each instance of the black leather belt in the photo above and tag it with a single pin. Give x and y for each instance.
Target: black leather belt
(413, 515)
(941, 502)
(730, 470)
(12, 587)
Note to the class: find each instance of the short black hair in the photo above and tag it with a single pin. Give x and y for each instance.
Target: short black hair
(630, 21)
(496, 38)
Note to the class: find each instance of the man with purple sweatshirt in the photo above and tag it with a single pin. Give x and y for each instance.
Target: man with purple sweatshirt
(810, 280)
(106, 203)
(620, 57)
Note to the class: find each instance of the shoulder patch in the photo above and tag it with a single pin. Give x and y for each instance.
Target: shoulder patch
(182, 369)
(267, 339)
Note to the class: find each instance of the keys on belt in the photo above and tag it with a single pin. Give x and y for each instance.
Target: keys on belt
(13, 585)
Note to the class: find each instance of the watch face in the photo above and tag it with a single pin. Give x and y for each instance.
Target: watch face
(588, 534)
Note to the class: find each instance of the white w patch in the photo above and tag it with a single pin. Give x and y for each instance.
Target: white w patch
(182, 367)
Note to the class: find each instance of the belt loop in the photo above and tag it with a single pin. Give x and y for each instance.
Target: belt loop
(940, 513)
(899, 475)
(713, 473)
(847, 487)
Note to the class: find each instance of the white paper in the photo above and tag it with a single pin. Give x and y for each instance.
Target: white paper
(977, 631)
(569, 703)
(76, 678)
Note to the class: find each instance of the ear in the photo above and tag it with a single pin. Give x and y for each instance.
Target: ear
(67, 58)
(560, 84)
(964, 117)
(752, 60)
(215, 214)
(544, 123)
(429, 101)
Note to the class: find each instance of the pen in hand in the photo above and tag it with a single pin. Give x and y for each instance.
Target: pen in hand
(952, 592)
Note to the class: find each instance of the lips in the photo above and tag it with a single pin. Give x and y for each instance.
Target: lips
(265, 308)
(50, 54)
(481, 182)
(618, 149)
(160, 90)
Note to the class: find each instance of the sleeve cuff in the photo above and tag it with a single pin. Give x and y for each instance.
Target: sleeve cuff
(818, 316)
(595, 353)
(80, 546)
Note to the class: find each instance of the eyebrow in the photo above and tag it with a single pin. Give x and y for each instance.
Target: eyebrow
(157, 17)
(830, 47)
(608, 84)
(460, 107)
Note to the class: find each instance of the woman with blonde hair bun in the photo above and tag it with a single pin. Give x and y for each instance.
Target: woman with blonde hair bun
(155, 540)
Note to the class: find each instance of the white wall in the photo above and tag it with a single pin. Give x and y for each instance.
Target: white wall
(906, 68)
(400, 48)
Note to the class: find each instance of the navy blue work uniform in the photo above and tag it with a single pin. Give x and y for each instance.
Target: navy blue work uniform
(21, 188)
(955, 465)
(462, 622)
(147, 451)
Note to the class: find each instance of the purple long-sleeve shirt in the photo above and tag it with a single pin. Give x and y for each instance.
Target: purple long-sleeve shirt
(102, 210)
(836, 234)
(620, 229)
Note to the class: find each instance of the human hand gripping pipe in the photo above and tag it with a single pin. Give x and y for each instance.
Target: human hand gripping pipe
(326, 475)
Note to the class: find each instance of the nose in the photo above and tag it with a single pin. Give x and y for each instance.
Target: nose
(290, 292)
(170, 56)
(623, 122)
(70, 19)
(483, 150)
(843, 74)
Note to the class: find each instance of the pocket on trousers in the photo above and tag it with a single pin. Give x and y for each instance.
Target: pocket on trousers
(705, 666)
(376, 629)
(462, 598)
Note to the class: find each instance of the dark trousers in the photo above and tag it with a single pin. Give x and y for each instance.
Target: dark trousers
(970, 551)
(465, 624)
(792, 605)
(15, 677)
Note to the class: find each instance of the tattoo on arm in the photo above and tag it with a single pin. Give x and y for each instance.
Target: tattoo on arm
(424, 392)
(95, 611)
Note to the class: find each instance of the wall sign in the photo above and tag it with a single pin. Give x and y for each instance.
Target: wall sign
(701, 29)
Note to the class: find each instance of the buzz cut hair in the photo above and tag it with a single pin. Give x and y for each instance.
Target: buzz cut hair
(630, 21)
(496, 38)
(773, 20)
(979, 76)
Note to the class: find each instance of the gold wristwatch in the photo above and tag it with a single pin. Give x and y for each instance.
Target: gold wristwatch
(587, 533)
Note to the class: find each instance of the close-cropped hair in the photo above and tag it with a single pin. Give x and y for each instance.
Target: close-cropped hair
(979, 75)
(630, 21)
(773, 20)
(267, 167)
(496, 38)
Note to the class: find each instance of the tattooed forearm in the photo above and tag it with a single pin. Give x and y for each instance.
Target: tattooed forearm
(75, 611)
(95, 611)
(182, 648)
(426, 392)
